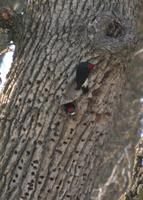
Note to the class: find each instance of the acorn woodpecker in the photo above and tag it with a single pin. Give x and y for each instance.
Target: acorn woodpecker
(69, 108)
(82, 73)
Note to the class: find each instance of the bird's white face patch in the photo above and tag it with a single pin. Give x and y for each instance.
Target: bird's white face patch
(73, 113)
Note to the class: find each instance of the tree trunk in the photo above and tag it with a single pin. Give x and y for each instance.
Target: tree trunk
(45, 153)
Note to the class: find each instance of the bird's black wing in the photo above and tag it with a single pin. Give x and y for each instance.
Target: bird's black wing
(81, 74)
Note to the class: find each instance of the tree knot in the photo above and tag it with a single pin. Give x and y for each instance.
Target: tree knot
(114, 29)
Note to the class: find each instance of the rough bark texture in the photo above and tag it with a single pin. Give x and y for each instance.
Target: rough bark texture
(46, 154)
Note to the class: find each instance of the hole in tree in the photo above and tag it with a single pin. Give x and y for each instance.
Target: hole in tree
(52, 139)
(19, 167)
(59, 151)
(57, 123)
(15, 152)
(28, 100)
(46, 100)
(68, 195)
(55, 134)
(71, 130)
(38, 81)
(39, 124)
(30, 188)
(40, 142)
(35, 161)
(16, 175)
(35, 167)
(23, 140)
(28, 153)
(32, 173)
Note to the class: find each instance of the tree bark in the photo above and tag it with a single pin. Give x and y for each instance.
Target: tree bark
(46, 154)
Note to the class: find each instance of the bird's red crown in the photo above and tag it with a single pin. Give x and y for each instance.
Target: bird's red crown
(90, 67)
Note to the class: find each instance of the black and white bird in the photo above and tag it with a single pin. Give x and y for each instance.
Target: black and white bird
(82, 73)
(69, 108)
